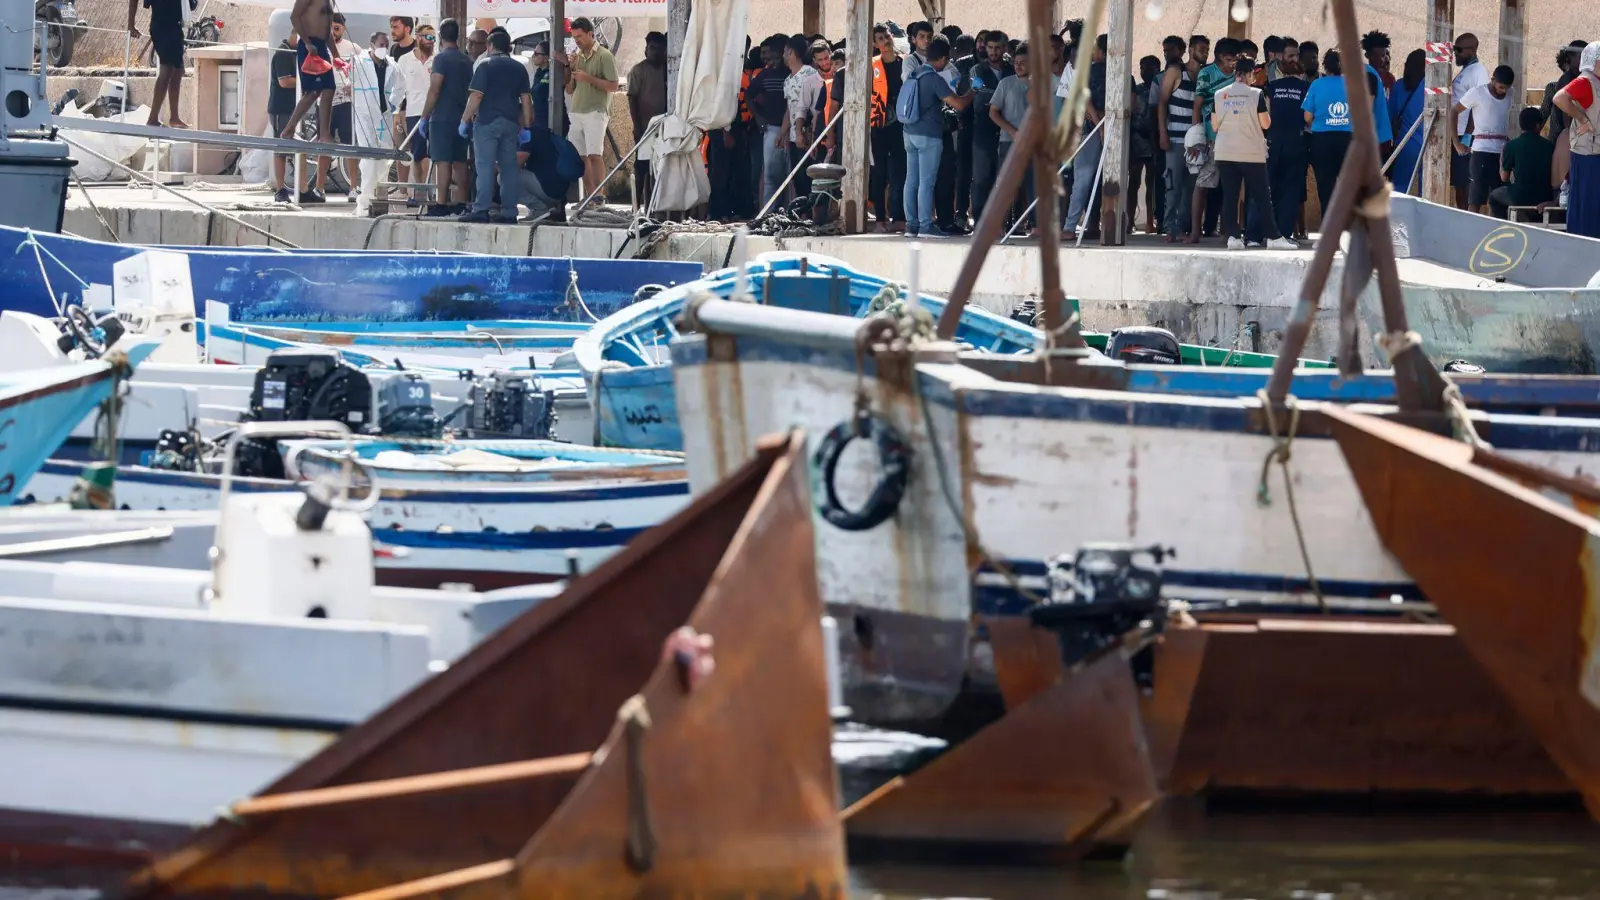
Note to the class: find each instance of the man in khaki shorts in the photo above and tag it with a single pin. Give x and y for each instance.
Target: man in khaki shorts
(591, 80)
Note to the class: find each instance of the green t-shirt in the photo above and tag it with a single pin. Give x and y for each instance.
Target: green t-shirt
(1528, 157)
(586, 98)
(1210, 80)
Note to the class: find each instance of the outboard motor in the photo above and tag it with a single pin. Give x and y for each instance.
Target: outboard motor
(1144, 344)
(177, 451)
(1026, 311)
(510, 405)
(298, 385)
(405, 408)
(1462, 366)
(1100, 594)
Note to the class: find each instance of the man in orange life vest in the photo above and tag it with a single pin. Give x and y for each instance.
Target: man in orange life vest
(886, 188)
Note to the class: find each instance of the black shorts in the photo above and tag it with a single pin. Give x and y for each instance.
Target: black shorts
(313, 84)
(445, 143)
(279, 122)
(166, 36)
(419, 147)
(1460, 169)
(339, 128)
(1485, 177)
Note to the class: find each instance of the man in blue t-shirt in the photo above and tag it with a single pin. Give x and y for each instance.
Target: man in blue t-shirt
(499, 112)
(925, 137)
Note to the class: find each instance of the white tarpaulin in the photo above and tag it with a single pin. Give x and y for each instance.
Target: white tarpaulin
(512, 9)
(709, 72)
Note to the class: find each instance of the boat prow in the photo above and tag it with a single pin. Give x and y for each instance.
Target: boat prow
(1501, 550)
(601, 746)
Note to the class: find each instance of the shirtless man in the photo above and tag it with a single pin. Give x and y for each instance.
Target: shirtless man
(166, 37)
(313, 21)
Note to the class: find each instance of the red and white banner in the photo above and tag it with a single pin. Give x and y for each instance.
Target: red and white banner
(520, 9)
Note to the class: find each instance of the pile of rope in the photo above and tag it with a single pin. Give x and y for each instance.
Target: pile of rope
(915, 326)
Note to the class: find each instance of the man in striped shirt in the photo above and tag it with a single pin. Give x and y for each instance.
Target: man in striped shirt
(1174, 115)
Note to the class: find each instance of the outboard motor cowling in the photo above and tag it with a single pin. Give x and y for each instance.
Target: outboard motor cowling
(1144, 344)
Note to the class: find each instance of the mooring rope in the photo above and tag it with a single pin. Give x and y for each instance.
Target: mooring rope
(1282, 449)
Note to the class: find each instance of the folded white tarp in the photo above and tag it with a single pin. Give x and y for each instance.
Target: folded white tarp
(709, 72)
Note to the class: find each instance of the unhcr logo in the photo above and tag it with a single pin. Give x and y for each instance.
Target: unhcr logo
(1338, 113)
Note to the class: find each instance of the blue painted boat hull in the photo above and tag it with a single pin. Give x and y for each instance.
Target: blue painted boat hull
(632, 393)
(38, 409)
(261, 285)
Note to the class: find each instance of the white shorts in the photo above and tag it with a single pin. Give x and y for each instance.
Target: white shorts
(588, 132)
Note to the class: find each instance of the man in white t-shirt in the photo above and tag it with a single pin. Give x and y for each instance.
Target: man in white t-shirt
(1486, 108)
(1472, 75)
(409, 80)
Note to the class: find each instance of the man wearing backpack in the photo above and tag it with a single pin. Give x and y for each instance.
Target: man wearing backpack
(919, 108)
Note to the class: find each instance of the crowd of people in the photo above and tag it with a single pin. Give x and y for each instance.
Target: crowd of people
(472, 117)
(1216, 129)
(1226, 138)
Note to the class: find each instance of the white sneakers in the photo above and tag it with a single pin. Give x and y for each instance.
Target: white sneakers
(1274, 244)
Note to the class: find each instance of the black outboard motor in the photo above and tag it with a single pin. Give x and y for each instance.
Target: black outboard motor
(510, 405)
(298, 385)
(1026, 311)
(1462, 366)
(1100, 594)
(1144, 344)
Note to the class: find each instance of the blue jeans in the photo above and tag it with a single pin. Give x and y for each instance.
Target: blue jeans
(922, 170)
(1084, 167)
(1180, 190)
(774, 163)
(496, 142)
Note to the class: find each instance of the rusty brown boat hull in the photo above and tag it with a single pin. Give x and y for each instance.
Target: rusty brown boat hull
(1300, 706)
(1064, 774)
(1514, 569)
(521, 737)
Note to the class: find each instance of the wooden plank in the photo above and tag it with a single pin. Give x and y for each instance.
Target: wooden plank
(1436, 151)
(1114, 201)
(856, 125)
(558, 72)
(1513, 44)
(1236, 29)
(813, 18)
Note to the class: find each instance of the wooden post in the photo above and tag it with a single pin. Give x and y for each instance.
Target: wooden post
(1058, 14)
(456, 9)
(1437, 150)
(1512, 44)
(1236, 29)
(1115, 205)
(933, 11)
(558, 72)
(677, 32)
(1047, 214)
(856, 124)
(813, 18)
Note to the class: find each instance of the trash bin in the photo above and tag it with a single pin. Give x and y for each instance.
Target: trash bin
(33, 179)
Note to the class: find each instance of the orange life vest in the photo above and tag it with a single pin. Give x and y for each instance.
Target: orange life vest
(879, 116)
(744, 89)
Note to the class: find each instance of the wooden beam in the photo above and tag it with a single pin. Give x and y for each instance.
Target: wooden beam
(813, 17)
(1239, 30)
(558, 72)
(1114, 200)
(933, 11)
(1047, 214)
(1436, 151)
(1513, 41)
(856, 137)
(456, 9)
(677, 32)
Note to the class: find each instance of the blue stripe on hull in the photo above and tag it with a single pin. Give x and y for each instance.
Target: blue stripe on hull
(394, 492)
(262, 285)
(506, 540)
